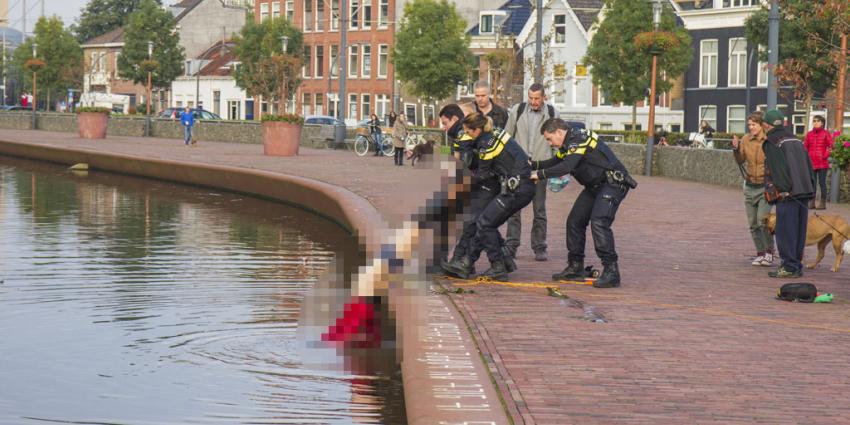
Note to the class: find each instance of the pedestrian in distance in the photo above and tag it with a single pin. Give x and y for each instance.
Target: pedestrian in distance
(187, 120)
(391, 119)
(399, 135)
(818, 144)
(789, 185)
(375, 131)
(749, 155)
(606, 183)
(485, 105)
(707, 132)
(525, 121)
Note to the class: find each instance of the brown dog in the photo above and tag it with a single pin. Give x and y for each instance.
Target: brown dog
(420, 150)
(821, 230)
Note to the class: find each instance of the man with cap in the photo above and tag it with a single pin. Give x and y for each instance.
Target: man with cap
(789, 184)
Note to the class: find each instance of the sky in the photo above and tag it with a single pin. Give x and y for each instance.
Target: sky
(67, 10)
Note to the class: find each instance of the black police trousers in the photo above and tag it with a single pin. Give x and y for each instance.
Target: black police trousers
(481, 195)
(496, 213)
(597, 206)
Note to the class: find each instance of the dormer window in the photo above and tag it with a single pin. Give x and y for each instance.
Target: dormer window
(490, 20)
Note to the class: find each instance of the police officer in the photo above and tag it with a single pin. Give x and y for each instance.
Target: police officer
(468, 248)
(606, 182)
(500, 157)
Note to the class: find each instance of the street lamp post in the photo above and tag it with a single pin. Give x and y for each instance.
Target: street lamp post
(150, 55)
(650, 132)
(339, 130)
(34, 83)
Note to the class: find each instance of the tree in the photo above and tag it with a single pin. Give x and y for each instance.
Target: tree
(431, 53)
(151, 23)
(266, 70)
(59, 51)
(101, 16)
(620, 66)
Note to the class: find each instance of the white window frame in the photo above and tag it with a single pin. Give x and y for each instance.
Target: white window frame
(307, 20)
(334, 15)
(116, 73)
(383, 60)
(333, 62)
(354, 11)
(289, 10)
(264, 11)
(383, 18)
(762, 71)
(729, 119)
(410, 121)
(742, 3)
(481, 17)
(712, 62)
(365, 72)
(306, 103)
(352, 114)
(307, 69)
(319, 24)
(365, 106)
(275, 11)
(317, 62)
(366, 18)
(556, 26)
(739, 58)
(353, 57)
(798, 120)
(230, 103)
(701, 114)
(382, 105)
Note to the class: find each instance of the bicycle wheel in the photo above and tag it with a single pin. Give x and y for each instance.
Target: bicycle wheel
(361, 146)
(410, 142)
(388, 148)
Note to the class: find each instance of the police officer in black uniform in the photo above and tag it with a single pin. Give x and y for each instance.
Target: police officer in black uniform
(501, 158)
(468, 249)
(606, 182)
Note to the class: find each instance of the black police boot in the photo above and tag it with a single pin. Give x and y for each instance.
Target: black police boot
(610, 277)
(462, 267)
(510, 264)
(574, 270)
(497, 271)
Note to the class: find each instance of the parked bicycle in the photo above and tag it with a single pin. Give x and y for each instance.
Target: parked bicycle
(365, 142)
(412, 140)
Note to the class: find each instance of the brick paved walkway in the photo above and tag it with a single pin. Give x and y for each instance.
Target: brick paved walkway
(694, 335)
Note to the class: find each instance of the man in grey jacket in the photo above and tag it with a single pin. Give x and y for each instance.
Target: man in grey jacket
(524, 122)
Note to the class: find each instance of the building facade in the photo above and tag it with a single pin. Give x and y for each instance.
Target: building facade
(103, 82)
(214, 85)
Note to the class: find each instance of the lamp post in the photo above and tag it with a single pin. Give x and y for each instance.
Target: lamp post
(284, 41)
(34, 82)
(150, 56)
(339, 129)
(650, 132)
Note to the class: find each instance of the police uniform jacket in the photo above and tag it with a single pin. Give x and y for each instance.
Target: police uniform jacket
(499, 155)
(584, 156)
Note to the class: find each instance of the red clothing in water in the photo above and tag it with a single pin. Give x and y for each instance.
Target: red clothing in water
(819, 145)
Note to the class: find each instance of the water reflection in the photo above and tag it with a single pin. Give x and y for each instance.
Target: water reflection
(132, 301)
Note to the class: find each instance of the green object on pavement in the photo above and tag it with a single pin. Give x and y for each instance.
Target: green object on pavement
(824, 298)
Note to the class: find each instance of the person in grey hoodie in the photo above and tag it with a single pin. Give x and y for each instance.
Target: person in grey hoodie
(524, 122)
(789, 179)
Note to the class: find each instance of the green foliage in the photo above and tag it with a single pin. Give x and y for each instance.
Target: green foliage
(151, 23)
(431, 52)
(266, 70)
(287, 118)
(841, 151)
(97, 109)
(99, 17)
(58, 61)
(623, 69)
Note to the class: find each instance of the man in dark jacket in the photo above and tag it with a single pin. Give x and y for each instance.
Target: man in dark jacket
(485, 105)
(790, 179)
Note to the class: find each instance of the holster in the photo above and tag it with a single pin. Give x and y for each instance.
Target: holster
(620, 178)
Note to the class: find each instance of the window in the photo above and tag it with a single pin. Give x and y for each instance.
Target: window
(383, 13)
(708, 63)
(320, 62)
(708, 113)
(334, 15)
(580, 91)
(334, 61)
(410, 113)
(367, 14)
(736, 119)
(606, 126)
(354, 15)
(275, 10)
(366, 72)
(234, 110)
(365, 106)
(560, 29)
(333, 105)
(628, 127)
(320, 103)
(737, 62)
(762, 70)
(117, 55)
(603, 98)
(427, 114)
(307, 62)
(305, 104)
(352, 62)
(383, 60)
(289, 10)
(352, 106)
(217, 103)
(308, 15)
(485, 25)
(382, 105)
(320, 15)
(799, 123)
(739, 3)
(675, 128)
(264, 11)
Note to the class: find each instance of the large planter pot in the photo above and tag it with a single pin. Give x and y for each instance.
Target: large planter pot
(281, 138)
(92, 125)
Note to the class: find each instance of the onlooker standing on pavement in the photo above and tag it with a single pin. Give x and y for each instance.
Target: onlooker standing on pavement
(375, 130)
(391, 119)
(789, 183)
(750, 155)
(187, 119)
(399, 134)
(524, 123)
(819, 145)
(707, 132)
(484, 104)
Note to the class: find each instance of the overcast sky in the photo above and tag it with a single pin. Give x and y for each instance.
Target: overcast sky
(67, 10)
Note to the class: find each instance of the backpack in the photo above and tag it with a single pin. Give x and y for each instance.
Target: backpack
(521, 108)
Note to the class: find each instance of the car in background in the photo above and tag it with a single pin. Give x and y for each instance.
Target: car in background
(15, 108)
(199, 114)
(575, 124)
(321, 120)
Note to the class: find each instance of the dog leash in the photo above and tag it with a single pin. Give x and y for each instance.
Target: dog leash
(823, 221)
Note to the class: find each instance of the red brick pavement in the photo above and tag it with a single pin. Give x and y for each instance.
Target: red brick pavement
(694, 335)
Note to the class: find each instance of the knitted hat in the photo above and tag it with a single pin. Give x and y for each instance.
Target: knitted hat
(774, 117)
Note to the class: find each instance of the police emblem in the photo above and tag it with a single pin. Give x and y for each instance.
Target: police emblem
(573, 148)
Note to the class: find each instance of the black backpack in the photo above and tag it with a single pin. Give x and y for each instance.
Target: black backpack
(521, 108)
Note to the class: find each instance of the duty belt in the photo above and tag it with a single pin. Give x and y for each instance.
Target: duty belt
(620, 178)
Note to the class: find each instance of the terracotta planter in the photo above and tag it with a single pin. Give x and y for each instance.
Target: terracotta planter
(281, 138)
(92, 125)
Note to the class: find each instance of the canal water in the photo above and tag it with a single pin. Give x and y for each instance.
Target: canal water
(132, 301)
